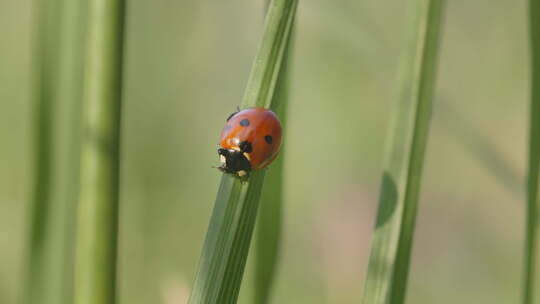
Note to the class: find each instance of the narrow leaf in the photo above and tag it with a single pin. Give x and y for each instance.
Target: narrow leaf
(95, 273)
(270, 214)
(44, 83)
(531, 238)
(68, 134)
(391, 249)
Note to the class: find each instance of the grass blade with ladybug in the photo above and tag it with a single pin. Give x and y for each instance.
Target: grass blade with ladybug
(249, 142)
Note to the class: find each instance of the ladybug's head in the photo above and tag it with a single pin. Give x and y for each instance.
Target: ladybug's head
(234, 161)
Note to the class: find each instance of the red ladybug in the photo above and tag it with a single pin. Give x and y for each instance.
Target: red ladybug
(249, 141)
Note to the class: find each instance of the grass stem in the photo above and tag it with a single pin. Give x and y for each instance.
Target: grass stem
(45, 38)
(531, 238)
(95, 264)
(391, 249)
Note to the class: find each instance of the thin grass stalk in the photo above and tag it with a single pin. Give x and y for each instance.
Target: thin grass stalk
(391, 248)
(531, 238)
(71, 58)
(227, 242)
(43, 94)
(271, 209)
(97, 230)
(270, 213)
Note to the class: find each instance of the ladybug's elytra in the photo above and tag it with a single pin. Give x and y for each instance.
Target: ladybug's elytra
(249, 141)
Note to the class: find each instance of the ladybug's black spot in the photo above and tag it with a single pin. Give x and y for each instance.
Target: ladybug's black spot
(268, 139)
(244, 122)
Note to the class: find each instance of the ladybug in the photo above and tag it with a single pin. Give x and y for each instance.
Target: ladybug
(250, 140)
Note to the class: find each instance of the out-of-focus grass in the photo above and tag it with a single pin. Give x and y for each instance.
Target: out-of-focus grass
(45, 71)
(531, 238)
(57, 71)
(97, 226)
(67, 153)
(391, 250)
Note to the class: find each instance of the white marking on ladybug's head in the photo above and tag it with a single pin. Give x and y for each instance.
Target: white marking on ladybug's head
(246, 155)
(242, 173)
(222, 159)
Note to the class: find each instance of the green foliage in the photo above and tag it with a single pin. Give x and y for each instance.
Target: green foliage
(56, 94)
(531, 238)
(270, 214)
(95, 268)
(45, 72)
(390, 255)
(226, 247)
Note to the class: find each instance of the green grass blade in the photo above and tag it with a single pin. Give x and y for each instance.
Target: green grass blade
(227, 241)
(45, 72)
(531, 238)
(390, 255)
(226, 247)
(95, 265)
(265, 70)
(270, 214)
(68, 130)
(57, 67)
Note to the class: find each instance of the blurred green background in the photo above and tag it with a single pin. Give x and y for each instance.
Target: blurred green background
(187, 63)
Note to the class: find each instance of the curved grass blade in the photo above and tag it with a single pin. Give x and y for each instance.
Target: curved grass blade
(226, 246)
(95, 261)
(531, 238)
(391, 249)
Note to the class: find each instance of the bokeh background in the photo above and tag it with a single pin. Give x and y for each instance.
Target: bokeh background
(187, 63)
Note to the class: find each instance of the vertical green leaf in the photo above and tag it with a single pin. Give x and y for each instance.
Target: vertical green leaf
(270, 213)
(531, 238)
(264, 73)
(226, 247)
(68, 131)
(43, 95)
(391, 249)
(95, 272)
(57, 67)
